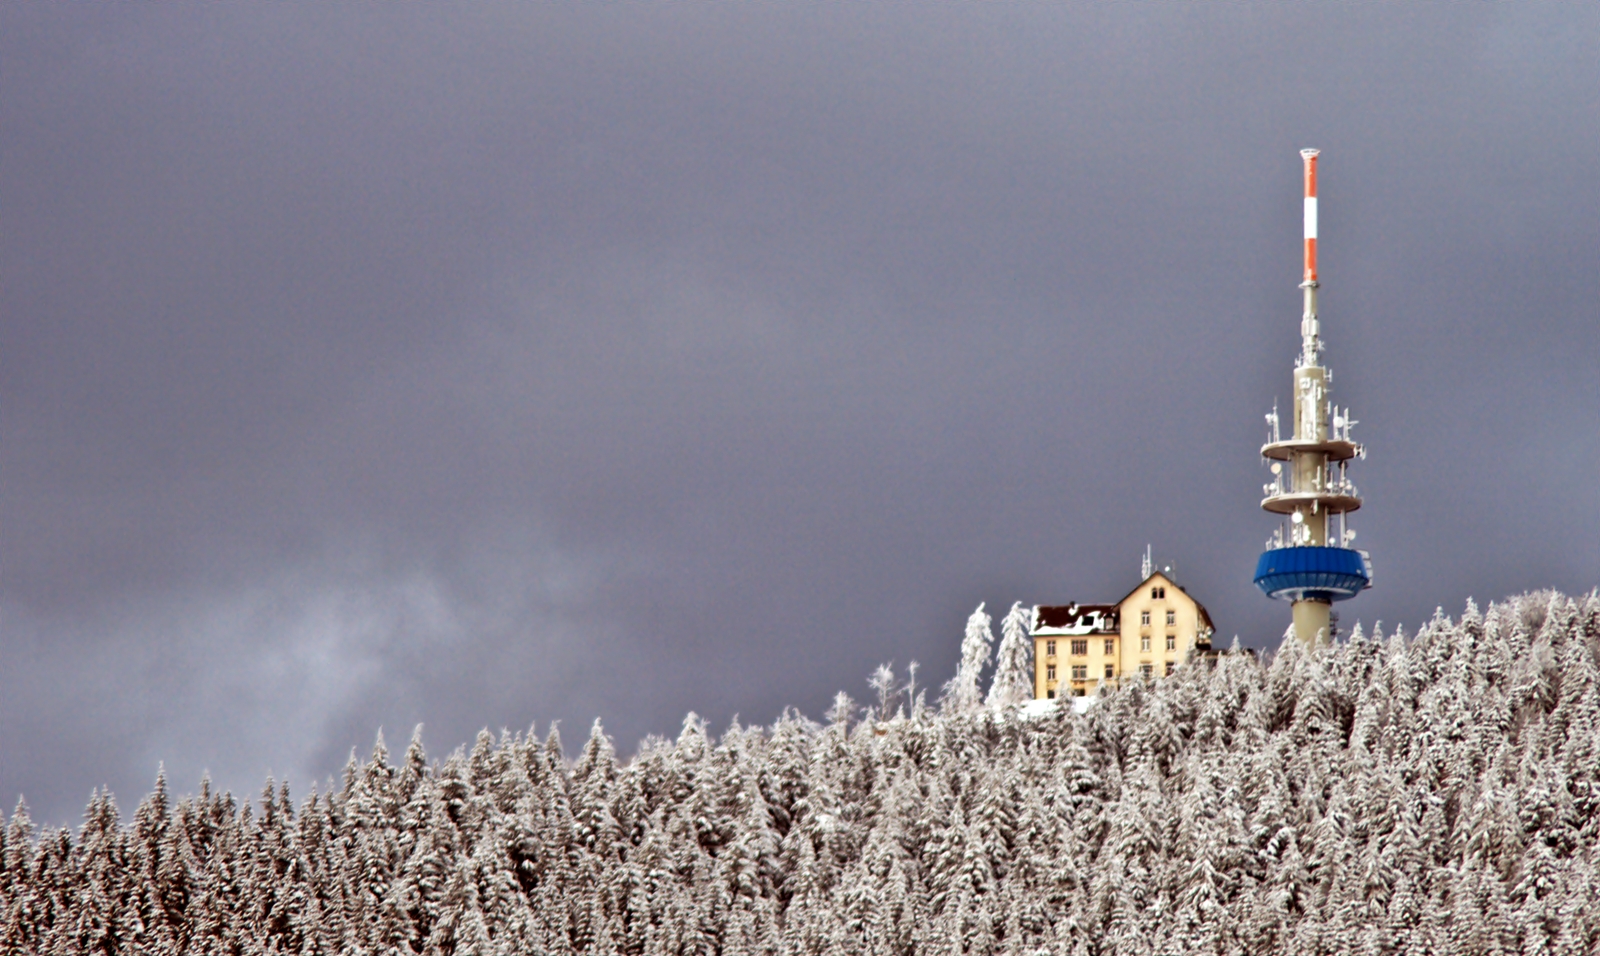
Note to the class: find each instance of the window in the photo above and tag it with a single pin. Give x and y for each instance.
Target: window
(1170, 668)
(1144, 643)
(1080, 648)
(1077, 691)
(1144, 618)
(1110, 672)
(1145, 670)
(1080, 672)
(1158, 593)
(1050, 672)
(1172, 642)
(1049, 648)
(1111, 647)
(1050, 694)
(1172, 617)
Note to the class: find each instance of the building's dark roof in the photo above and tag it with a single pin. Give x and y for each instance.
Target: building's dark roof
(1083, 618)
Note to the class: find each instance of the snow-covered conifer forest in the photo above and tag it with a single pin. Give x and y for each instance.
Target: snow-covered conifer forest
(1393, 794)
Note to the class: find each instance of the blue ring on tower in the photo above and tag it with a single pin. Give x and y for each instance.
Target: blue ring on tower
(1311, 573)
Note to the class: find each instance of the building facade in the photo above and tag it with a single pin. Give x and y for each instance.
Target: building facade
(1146, 635)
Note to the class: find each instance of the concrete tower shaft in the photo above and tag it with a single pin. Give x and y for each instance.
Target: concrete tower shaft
(1309, 561)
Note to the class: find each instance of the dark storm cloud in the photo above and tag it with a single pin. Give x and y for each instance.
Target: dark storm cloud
(365, 367)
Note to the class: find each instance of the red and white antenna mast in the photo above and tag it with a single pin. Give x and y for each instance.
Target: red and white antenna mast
(1311, 344)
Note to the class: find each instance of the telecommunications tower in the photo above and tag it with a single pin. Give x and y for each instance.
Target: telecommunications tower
(1308, 560)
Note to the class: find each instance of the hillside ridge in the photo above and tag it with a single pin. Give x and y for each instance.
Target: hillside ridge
(1432, 794)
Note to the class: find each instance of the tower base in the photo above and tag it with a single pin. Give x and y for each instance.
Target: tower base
(1312, 623)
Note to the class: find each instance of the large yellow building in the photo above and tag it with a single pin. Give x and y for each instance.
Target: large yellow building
(1145, 635)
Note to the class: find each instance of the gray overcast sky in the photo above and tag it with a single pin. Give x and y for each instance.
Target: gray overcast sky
(481, 365)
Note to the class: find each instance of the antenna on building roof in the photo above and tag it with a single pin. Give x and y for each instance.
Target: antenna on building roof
(1147, 565)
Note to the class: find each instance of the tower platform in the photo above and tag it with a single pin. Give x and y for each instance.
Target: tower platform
(1310, 502)
(1313, 573)
(1336, 449)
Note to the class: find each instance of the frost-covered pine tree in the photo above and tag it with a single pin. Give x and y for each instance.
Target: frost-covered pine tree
(963, 693)
(883, 684)
(1013, 671)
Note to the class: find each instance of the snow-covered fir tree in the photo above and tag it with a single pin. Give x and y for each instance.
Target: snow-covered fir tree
(1013, 672)
(964, 691)
(1432, 794)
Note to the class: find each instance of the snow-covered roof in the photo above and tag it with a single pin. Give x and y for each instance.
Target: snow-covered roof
(1044, 706)
(1074, 619)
